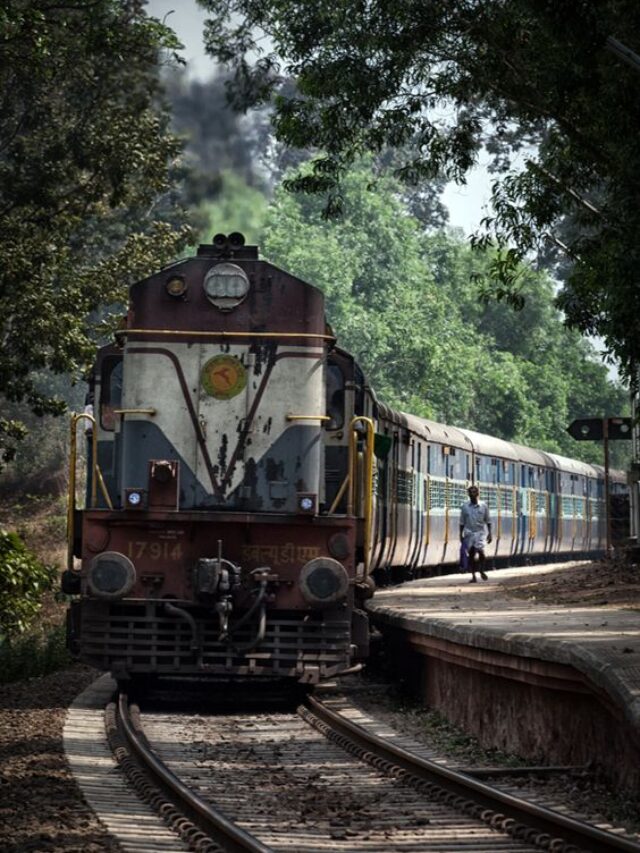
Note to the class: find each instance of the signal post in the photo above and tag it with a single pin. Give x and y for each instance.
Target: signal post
(605, 430)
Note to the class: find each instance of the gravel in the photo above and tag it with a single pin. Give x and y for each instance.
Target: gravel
(41, 809)
(580, 793)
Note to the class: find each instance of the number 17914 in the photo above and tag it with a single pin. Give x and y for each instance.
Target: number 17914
(154, 550)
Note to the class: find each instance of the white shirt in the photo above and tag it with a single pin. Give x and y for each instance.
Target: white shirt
(473, 519)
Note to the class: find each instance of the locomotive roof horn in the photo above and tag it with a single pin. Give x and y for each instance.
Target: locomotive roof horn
(235, 240)
(228, 246)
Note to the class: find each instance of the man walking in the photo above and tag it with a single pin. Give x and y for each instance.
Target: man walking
(474, 518)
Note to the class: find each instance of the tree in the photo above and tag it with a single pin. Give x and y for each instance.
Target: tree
(236, 207)
(441, 78)
(381, 297)
(85, 178)
(405, 305)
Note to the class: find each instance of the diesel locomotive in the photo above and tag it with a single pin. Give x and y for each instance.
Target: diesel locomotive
(245, 485)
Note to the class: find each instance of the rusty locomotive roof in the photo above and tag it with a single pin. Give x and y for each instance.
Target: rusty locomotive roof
(275, 300)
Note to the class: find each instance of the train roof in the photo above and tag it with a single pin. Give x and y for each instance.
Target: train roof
(573, 466)
(615, 474)
(490, 446)
(532, 456)
(440, 433)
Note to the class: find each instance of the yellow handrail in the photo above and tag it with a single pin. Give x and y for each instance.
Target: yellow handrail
(71, 492)
(560, 516)
(547, 509)
(96, 479)
(446, 510)
(340, 494)
(368, 479)
(293, 417)
(533, 513)
(123, 333)
(427, 502)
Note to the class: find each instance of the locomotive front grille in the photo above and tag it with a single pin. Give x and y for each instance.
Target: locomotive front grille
(140, 638)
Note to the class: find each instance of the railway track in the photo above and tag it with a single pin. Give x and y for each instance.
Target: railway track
(314, 780)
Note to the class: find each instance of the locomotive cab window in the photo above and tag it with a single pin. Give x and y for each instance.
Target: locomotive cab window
(110, 391)
(358, 378)
(335, 396)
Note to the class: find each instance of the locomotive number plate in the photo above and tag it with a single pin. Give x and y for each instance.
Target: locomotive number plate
(154, 550)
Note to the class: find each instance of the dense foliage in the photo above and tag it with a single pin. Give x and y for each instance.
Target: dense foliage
(439, 79)
(23, 580)
(34, 654)
(85, 169)
(406, 305)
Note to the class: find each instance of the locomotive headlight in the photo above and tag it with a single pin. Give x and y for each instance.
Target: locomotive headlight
(111, 575)
(324, 582)
(135, 498)
(226, 286)
(306, 503)
(176, 286)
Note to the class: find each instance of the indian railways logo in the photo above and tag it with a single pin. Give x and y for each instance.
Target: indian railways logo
(223, 377)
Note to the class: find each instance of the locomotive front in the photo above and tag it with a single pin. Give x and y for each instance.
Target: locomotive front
(207, 547)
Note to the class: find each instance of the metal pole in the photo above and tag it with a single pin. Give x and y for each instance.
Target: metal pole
(607, 508)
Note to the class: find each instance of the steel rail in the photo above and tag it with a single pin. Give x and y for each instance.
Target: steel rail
(210, 820)
(507, 808)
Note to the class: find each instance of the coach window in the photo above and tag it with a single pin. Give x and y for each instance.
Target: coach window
(110, 391)
(450, 461)
(335, 397)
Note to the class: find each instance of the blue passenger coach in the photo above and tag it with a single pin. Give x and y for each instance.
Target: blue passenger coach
(541, 504)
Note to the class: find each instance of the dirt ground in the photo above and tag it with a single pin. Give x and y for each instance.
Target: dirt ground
(41, 809)
(613, 582)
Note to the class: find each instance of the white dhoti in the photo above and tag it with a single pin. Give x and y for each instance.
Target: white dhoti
(476, 540)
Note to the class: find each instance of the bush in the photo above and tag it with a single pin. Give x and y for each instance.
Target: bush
(33, 655)
(23, 580)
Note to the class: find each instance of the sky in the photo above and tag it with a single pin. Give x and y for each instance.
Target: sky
(466, 204)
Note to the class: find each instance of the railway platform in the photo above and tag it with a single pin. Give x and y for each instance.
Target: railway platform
(553, 683)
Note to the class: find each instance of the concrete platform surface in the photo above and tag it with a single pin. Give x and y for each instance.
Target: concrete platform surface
(603, 643)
